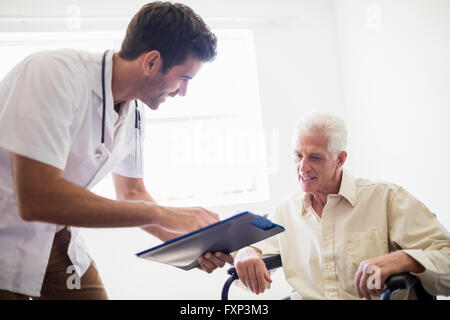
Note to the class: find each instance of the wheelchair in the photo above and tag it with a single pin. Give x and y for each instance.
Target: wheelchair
(394, 283)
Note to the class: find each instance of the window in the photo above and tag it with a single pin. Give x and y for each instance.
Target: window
(208, 146)
(203, 149)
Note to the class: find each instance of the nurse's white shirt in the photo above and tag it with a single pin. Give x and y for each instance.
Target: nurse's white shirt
(51, 111)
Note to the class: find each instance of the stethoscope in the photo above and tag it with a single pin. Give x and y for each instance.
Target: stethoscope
(102, 153)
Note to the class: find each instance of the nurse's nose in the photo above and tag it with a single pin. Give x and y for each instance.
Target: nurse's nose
(182, 89)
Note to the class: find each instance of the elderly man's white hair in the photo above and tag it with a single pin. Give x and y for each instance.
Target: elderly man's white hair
(322, 123)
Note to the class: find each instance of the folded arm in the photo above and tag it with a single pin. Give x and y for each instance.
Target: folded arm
(421, 245)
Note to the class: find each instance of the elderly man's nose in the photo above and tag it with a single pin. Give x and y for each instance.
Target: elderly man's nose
(303, 166)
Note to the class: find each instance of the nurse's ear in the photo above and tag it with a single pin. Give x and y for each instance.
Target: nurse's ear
(151, 63)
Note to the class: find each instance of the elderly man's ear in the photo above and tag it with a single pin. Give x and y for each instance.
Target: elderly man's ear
(342, 156)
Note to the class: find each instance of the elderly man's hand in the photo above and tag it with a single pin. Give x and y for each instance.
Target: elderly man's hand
(251, 270)
(373, 273)
(209, 262)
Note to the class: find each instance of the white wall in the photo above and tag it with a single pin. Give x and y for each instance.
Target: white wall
(396, 79)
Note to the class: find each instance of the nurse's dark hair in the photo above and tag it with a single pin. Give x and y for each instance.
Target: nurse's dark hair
(173, 29)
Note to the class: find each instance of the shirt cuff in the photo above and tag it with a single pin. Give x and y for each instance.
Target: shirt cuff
(428, 277)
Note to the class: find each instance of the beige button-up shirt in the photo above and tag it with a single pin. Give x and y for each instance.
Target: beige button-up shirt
(366, 219)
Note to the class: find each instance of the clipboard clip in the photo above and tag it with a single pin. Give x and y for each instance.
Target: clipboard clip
(262, 223)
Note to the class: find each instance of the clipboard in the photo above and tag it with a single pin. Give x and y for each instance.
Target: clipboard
(226, 236)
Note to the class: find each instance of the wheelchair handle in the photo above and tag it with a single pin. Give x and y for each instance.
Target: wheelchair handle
(403, 281)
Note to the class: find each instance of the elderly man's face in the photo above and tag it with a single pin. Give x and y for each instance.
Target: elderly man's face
(317, 168)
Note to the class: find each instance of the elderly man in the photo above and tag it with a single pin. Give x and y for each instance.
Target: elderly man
(345, 236)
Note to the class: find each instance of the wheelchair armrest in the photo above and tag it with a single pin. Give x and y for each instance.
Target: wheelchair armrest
(396, 283)
(271, 261)
(403, 281)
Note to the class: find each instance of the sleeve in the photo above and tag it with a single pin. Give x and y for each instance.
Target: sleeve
(128, 166)
(132, 166)
(414, 228)
(38, 112)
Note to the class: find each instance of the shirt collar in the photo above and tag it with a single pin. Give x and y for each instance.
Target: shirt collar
(306, 201)
(347, 190)
(348, 187)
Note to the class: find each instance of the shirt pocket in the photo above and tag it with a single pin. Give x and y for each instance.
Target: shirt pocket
(363, 245)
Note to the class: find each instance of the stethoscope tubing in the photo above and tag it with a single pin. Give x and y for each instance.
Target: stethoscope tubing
(103, 97)
(137, 123)
(137, 115)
